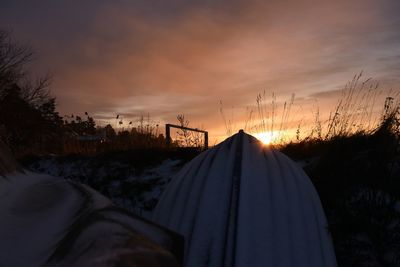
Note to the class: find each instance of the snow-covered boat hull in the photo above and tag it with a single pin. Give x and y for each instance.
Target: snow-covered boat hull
(49, 221)
(242, 204)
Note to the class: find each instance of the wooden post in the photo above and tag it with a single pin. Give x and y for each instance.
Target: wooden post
(206, 140)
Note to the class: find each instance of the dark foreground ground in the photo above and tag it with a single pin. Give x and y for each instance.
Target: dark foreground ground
(357, 178)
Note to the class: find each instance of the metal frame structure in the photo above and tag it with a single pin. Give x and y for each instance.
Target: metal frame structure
(168, 133)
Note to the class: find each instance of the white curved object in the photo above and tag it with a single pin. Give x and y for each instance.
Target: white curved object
(49, 221)
(242, 204)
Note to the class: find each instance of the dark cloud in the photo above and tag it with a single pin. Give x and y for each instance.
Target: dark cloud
(170, 57)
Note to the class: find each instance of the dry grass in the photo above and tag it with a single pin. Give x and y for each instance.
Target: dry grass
(359, 109)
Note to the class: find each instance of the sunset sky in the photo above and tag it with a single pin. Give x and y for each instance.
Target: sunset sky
(168, 57)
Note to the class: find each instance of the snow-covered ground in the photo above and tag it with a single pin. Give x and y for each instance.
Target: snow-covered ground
(137, 191)
(364, 224)
(47, 220)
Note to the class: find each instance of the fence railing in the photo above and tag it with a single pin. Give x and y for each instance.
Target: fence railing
(168, 133)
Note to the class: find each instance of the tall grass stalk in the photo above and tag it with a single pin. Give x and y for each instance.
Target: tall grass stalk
(356, 112)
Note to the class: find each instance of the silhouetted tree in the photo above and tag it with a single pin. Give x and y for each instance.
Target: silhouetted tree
(81, 126)
(28, 116)
(13, 58)
(110, 132)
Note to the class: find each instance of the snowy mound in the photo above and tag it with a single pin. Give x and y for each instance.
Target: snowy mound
(241, 204)
(48, 221)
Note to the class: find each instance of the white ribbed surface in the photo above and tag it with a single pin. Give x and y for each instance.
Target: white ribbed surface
(240, 204)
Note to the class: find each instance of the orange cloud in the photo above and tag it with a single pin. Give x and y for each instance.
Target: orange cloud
(171, 58)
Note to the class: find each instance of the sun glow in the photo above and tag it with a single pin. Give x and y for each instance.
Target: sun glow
(267, 138)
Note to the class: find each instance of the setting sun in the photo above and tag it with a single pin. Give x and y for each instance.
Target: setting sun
(266, 137)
